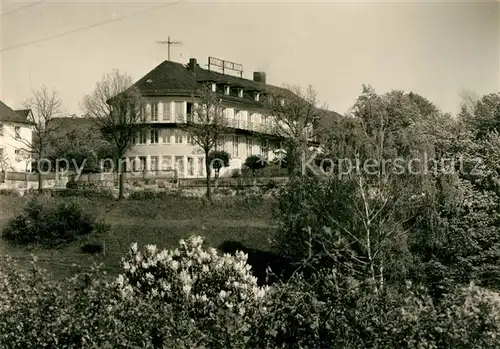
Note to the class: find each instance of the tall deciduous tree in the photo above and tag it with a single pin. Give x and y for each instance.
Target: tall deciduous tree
(45, 107)
(81, 143)
(485, 116)
(375, 191)
(206, 125)
(119, 111)
(293, 114)
(469, 100)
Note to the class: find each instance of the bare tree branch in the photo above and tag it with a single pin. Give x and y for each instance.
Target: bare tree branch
(120, 113)
(293, 114)
(45, 106)
(206, 125)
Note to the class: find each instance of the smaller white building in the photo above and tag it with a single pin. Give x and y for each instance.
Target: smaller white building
(16, 133)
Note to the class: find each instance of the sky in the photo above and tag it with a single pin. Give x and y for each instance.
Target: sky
(436, 48)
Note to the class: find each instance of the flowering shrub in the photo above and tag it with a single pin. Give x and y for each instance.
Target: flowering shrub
(83, 312)
(87, 312)
(253, 195)
(219, 291)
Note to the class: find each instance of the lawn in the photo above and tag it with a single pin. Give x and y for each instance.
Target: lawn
(161, 222)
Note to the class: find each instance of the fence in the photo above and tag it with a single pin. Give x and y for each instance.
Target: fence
(25, 176)
(110, 179)
(29, 180)
(231, 182)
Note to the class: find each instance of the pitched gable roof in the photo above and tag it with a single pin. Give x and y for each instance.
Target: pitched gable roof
(9, 115)
(23, 112)
(171, 78)
(176, 79)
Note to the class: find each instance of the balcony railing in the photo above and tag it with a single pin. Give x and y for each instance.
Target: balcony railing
(267, 128)
(250, 126)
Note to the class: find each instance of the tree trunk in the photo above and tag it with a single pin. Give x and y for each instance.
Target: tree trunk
(25, 175)
(120, 179)
(120, 185)
(40, 181)
(294, 165)
(207, 171)
(40, 176)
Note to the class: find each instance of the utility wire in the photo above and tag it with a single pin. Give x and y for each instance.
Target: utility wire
(89, 26)
(23, 7)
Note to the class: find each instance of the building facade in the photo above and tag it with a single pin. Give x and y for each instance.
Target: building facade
(16, 132)
(168, 90)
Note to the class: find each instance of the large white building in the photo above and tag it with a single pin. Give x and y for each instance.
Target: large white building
(169, 88)
(16, 132)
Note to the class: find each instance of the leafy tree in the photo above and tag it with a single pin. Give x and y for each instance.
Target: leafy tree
(218, 159)
(79, 140)
(485, 116)
(255, 162)
(119, 111)
(469, 100)
(368, 202)
(458, 236)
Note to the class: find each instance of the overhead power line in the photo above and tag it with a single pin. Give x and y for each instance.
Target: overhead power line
(23, 7)
(89, 26)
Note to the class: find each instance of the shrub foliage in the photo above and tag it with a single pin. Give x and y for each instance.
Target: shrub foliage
(48, 224)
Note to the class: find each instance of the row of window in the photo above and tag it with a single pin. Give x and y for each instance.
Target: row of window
(235, 91)
(179, 137)
(238, 119)
(180, 111)
(154, 137)
(194, 165)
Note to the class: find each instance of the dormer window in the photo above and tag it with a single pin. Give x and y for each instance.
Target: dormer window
(227, 89)
(282, 102)
(257, 96)
(240, 92)
(214, 87)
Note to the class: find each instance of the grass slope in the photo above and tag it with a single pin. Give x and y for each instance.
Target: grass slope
(161, 222)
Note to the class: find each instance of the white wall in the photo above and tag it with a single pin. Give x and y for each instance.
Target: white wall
(14, 150)
(168, 147)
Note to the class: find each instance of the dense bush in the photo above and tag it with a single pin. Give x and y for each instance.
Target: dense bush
(218, 159)
(48, 224)
(72, 184)
(84, 312)
(272, 170)
(253, 195)
(255, 162)
(332, 311)
(195, 298)
(219, 293)
(146, 194)
(272, 184)
(460, 238)
(9, 192)
(247, 172)
(236, 173)
(67, 192)
(305, 206)
(84, 193)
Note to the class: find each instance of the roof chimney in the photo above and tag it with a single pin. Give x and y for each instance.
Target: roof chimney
(259, 77)
(192, 65)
